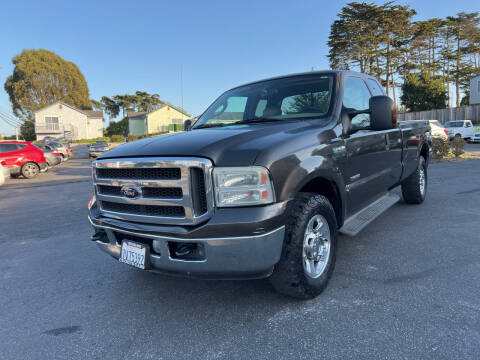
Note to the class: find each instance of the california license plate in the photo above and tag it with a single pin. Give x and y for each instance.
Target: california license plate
(133, 254)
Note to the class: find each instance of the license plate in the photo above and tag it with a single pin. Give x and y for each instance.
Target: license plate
(133, 254)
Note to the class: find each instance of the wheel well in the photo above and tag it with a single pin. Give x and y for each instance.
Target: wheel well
(424, 152)
(329, 189)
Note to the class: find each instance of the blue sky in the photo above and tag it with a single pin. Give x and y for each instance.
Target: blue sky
(121, 46)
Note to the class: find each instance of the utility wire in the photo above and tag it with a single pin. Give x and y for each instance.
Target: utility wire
(10, 117)
(8, 122)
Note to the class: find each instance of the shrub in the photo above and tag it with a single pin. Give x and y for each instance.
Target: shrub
(458, 146)
(138, 137)
(116, 138)
(440, 147)
(87, 141)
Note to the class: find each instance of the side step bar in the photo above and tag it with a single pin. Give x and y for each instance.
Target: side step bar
(354, 224)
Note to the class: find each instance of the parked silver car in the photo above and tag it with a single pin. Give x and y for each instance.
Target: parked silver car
(50, 156)
(60, 148)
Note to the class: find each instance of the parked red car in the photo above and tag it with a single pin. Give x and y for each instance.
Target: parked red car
(22, 158)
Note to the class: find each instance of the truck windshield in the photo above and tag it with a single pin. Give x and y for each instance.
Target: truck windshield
(291, 98)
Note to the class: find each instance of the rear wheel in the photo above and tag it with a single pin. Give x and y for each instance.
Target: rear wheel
(309, 250)
(414, 188)
(30, 170)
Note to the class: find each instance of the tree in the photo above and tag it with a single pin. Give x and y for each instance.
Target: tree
(423, 92)
(27, 130)
(97, 105)
(117, 128)
(371, 38)
(466, 99)
(464, 28)
(41, 77)
(140, 101)
(311, 102)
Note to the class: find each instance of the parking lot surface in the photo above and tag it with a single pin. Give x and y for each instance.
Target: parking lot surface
(407, 287)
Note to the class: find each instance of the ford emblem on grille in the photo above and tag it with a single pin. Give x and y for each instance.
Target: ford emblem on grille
(131, 192)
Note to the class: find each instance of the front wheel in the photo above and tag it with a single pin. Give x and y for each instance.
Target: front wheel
(309, 249)
(414, 188)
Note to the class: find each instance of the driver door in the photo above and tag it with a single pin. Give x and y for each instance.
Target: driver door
(364, 174)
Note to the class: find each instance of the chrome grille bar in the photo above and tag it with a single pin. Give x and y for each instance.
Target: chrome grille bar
(184, 182)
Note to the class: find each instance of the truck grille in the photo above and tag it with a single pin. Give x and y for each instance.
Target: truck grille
(148, 192)
(155, 190)
(140, 173)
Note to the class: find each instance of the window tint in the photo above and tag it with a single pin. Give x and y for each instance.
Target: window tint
(454, 124)
(356, 96)
(230, 111)
(310, 102)
(296, 97)
(375, 87)
(8, 147)
(262, 104)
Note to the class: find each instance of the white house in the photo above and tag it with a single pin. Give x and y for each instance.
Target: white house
(61, 119)
(475, 90)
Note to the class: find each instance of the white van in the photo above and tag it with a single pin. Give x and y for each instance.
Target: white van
(461, 128)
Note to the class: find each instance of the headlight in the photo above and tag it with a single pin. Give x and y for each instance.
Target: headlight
(242, 186)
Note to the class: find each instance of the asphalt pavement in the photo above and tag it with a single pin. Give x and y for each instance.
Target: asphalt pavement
(407, 287)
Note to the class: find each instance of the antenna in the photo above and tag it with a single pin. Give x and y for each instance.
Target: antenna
(181, 89)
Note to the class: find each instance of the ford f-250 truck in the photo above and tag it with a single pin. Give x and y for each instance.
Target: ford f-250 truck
(262, 183)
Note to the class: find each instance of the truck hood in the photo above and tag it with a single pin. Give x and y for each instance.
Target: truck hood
(234, 145)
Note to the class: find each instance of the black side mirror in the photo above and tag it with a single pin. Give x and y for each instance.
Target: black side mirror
(187, 125)
(383, 115)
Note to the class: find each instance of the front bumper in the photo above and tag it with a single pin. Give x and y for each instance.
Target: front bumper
(246, 248)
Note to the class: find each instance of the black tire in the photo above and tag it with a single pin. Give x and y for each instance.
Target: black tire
(30, 170)
(412, 186)
(289, 277)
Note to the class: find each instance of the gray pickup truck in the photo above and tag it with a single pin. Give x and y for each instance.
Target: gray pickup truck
(263, 182)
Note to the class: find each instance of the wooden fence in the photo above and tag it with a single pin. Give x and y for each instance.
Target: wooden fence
(471, 112)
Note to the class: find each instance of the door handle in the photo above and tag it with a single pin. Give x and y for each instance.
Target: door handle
(387, 142)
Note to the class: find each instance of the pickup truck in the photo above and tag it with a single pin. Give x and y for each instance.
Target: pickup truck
(262, 183)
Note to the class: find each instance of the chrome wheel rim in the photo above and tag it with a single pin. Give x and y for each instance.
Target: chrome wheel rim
(316, 246)
(30, 169)
(422, 181)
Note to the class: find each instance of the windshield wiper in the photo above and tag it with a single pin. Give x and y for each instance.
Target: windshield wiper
(204, 126)
(256, 120)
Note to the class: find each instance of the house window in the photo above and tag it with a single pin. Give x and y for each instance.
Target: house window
(51, 122)
(478, 86)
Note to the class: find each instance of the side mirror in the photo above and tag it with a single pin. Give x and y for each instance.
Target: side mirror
(187, 125)
(383, 115)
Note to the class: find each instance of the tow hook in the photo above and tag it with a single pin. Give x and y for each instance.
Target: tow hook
(100, 235)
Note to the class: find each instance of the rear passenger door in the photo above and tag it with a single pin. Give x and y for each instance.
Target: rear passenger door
(10, 153)
(366, 166)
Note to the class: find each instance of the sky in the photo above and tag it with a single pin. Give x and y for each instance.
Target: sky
(125, 46)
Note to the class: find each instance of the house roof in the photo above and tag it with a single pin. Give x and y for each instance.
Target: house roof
(137, 114)
(93, 114)
(90, 113)
(134, 114)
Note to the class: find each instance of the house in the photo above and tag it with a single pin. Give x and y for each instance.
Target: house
(155, 121)
(475, 90)
(61, 119)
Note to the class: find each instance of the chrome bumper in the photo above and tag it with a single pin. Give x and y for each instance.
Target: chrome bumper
(244, 257)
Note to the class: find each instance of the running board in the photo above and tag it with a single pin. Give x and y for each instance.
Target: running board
(354, 224)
